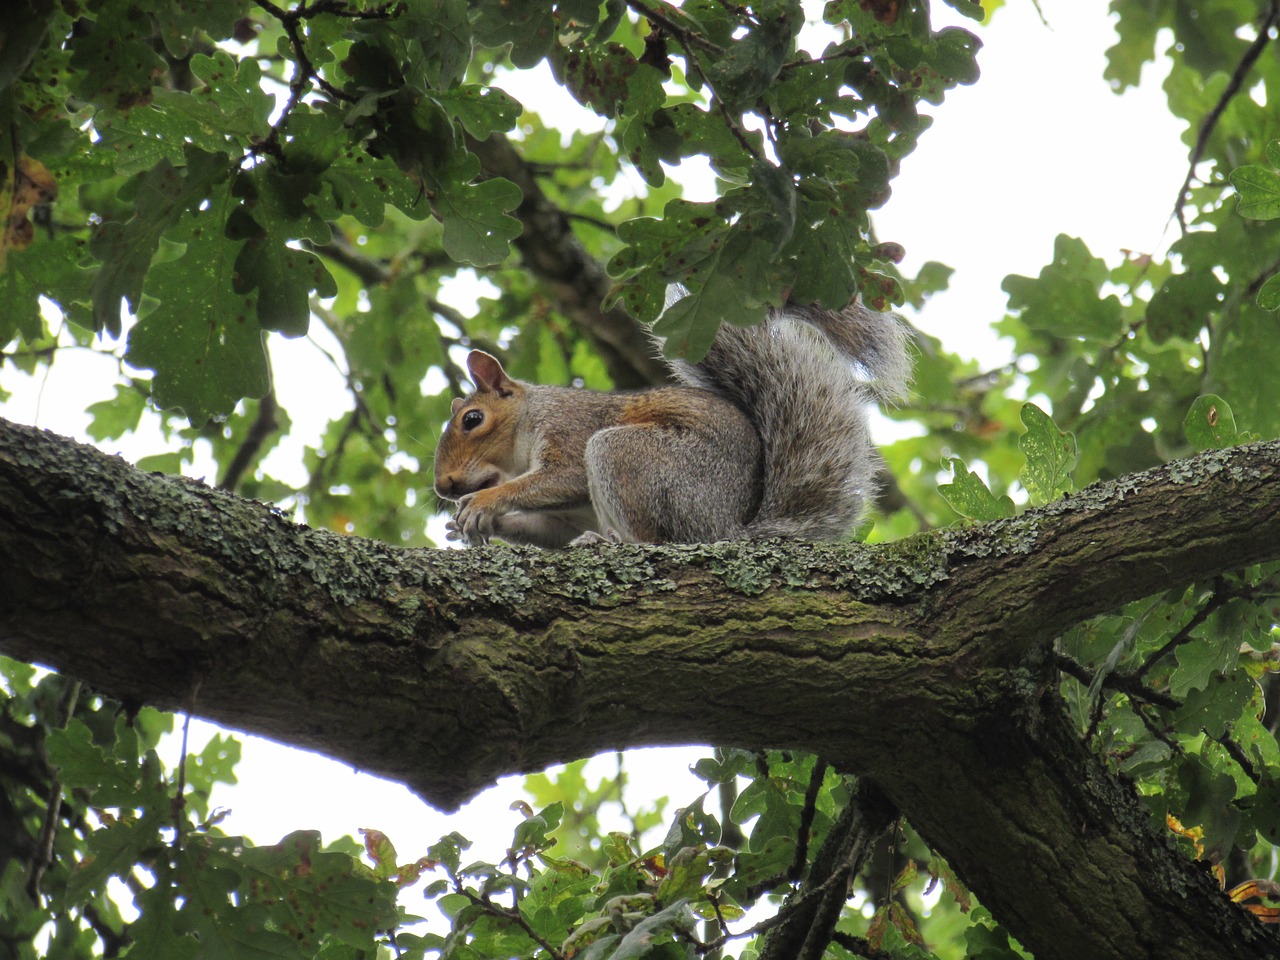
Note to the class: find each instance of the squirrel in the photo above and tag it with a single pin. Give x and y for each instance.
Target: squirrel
(766, 436)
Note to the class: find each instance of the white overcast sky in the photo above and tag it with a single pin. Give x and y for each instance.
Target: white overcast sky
(1039, 146)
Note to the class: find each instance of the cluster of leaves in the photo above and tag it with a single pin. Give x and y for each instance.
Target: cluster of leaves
(555, 897)
(94, 819)
(223, 170)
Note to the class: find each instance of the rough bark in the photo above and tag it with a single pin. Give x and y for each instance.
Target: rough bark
(921, 666)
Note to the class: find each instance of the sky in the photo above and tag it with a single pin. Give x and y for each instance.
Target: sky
(1039, 146)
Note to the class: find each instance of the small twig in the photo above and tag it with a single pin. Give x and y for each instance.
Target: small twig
(304, 70)
(43, 858)
(895, 839)
(265, 424)
(1238, 755)
(1210, 121)
(1219, 598)
(1125, 683)
(806, 819)
(506, 913)
(1156, 731)
(690, 40)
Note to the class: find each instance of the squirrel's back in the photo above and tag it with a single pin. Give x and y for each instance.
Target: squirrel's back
(805, 378)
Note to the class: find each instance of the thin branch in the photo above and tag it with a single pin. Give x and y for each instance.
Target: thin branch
(805, 827)
(304, 72)
(1237, 754)
(691, 40)
(1128, 684)
(1210, 121)
(179, 797)
(264, 425)
(858, 946)
(1219, 599)
(507, 913)
(803, 926)
(1156, 731)
(43, 857)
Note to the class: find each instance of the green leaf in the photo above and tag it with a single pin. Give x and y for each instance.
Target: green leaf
(156, 934)
(439, 35)
(1051, 456)
(1217, 705)
(969, 496)
(686, 872)
(1184, 304)
(1264, 809)
(230, 104)
(160, 197)
(477, 229)
(731, 291)
(180, 22)
(958, 50)
(208, 875)
(1210, 425)
(271, 217)
(971, 9)
(47, 269)
(1199, 662)
(652, 931)
(750, 64)
(448, 851)
(481, 110)
(118, 62)
(1259, 190)
(310, 893)
(113, 851)
(528, 25)
(1269, 294)
(115, 417)
(532, 831)
(203, 339)
(1066, 300)
(216, 763)
(84, 765)
(691, 827)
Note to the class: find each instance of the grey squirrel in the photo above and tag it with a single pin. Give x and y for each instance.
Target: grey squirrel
(766, 436)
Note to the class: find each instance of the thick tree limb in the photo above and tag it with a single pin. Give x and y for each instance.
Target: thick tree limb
(922, 665)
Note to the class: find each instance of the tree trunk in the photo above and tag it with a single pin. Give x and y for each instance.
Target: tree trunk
(921, 665)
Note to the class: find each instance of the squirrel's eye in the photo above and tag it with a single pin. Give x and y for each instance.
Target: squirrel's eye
(472, 419)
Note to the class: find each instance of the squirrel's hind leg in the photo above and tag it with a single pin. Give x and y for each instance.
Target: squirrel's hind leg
(660, 484)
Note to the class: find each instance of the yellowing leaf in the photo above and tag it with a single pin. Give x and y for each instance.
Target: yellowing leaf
(26, 184)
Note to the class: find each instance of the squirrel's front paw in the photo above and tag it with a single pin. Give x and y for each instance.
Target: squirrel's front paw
(472, 524)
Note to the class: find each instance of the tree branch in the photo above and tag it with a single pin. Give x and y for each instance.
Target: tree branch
(557, 258)
(1210, 121)
(918, 665)
(811, 917)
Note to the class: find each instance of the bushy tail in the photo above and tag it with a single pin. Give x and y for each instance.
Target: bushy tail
(805, 377)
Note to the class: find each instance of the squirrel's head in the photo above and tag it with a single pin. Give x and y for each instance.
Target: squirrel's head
(478, 447)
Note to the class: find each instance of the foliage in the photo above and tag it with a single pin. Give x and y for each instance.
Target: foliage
(187, 183)
(137, 831)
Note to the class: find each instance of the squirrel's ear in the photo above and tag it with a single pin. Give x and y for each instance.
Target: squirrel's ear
(487, 374)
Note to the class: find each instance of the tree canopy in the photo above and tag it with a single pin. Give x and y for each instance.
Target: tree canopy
(1034, 713)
